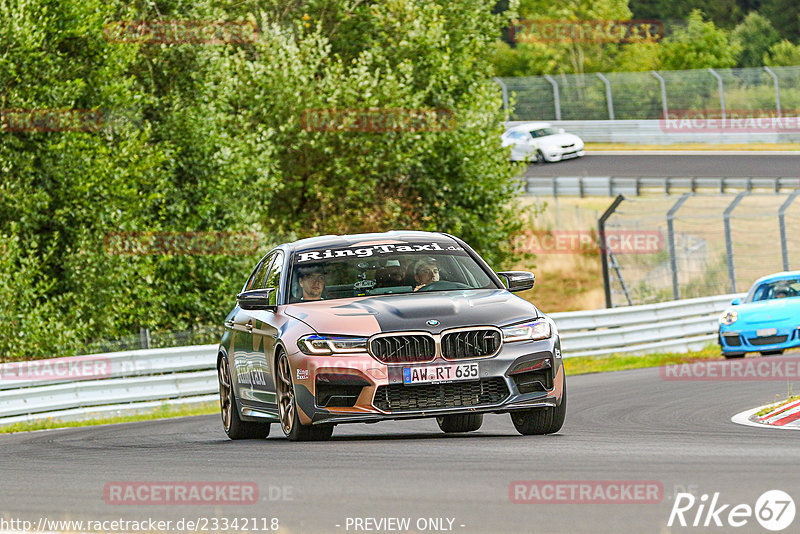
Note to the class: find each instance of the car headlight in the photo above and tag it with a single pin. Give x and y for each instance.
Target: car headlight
(533, 330)
(729, 317)
(318, 345)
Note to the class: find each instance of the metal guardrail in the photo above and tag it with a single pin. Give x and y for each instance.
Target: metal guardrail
(143, 380)
(585, 186)
(117, 383)
(676, 326)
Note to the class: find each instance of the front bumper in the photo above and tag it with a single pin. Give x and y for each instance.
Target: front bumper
(733, 340)
(523, 375)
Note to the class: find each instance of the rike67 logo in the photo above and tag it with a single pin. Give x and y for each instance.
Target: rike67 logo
(774, 510)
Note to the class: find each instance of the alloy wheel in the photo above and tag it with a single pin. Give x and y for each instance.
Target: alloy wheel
(285, 394)
(225, 393)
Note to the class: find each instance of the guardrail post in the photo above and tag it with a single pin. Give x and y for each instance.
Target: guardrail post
(721, 93)
(505, 94)
(782, 223)
(601, 227)
(673, 264)
(728, 240)
(661, 82)
(609, 100)
(556, 95)
(777, 90)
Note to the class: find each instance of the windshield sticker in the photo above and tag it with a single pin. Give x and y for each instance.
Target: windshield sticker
(366, 252)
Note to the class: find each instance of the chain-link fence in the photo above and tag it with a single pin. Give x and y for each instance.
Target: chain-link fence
(653, 95)
(699, 245)
(199, 335)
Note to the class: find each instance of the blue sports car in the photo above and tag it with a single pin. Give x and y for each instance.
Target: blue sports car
(766, 321)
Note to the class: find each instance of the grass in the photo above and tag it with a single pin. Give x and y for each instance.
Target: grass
(755, 147)
(162, 412)
(619, 362)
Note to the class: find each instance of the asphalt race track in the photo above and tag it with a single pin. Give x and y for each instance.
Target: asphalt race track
(630, 425)
(728, 165)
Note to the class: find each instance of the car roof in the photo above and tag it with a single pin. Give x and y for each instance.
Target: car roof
(353, 239)
(778, 276)
(527, 126)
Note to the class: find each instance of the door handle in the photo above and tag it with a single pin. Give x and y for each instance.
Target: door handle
(249, 326)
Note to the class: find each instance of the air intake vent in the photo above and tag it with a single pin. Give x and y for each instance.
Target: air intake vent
(470, 344)
(406, 348)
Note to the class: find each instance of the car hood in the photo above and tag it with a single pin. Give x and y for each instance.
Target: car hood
(364, 316)
(558, 140)
(768, 311)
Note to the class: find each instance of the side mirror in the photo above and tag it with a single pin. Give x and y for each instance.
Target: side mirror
(736, 302)
(256, 299)
(561, 130)
(517, 280)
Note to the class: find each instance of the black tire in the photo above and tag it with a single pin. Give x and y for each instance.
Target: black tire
(541, 420)
(287, 407)
(772, 352)
(540, 157)
(732, 355)
(234, 427)
(467, 422)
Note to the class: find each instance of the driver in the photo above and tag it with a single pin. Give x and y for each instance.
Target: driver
(312, 282)
(781, 293)
(425, 272)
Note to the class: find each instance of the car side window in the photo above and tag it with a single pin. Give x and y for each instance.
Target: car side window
(257, 279)
(273, 277)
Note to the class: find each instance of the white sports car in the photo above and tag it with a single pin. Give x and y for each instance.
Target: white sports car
(539, 142)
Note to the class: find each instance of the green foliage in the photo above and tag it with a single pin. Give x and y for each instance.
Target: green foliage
(700, 45)
(210, 138)
(785, 17)
(783, 54)
(755, 35)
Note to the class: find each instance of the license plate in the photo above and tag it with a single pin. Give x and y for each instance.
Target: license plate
(437, 374)
(765, 332)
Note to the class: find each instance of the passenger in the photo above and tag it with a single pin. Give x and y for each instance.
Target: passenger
(781, 293)
(425, 273)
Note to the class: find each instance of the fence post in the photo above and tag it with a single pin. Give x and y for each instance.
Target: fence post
(782, 224)
(601, 229)
(673, 264)
(556, 95)
(661, 82)
(728, 241)
(609, 100)
(144, 337)
(505, 94)
(721, 93)
(777, 90)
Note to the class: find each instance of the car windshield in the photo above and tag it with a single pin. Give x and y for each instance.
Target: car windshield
(775, 289)
(383, 268)
(542, 132)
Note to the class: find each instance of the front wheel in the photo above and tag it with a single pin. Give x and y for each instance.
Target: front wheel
(287, 408)
(541, 420)
(460, 423)
(234, 427)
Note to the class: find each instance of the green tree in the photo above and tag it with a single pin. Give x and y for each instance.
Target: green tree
(785, 17)
(63, 187)
(700, 45)
(783, 54)
(754, 36)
